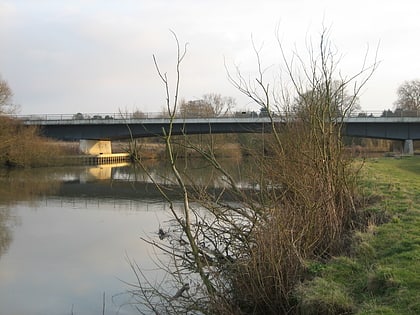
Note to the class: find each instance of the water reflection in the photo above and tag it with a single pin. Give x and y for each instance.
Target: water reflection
(70, 245)
(66, 233)
(5, 231)
(23, 184)
(66, 253)
(19, 186)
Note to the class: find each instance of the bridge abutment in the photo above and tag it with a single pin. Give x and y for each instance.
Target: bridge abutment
(95, 147)
(408, 147)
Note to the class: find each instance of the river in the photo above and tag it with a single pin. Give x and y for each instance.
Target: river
(67, 235)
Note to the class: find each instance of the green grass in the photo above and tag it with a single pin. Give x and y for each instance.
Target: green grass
(382, 276)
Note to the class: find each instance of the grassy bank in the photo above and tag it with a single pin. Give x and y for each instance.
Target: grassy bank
(382, 273)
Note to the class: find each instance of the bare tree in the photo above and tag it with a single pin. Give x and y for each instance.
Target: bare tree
(222, 106)
(408, 96)
(196, 108)
(6, 94)
(138, 114)
(341, 103)
(247, 256)
(211, 105)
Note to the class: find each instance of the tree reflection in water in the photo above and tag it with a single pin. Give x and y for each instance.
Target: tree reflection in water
(15, 186)
(5, 233)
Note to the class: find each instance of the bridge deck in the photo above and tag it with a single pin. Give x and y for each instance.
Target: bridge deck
(119, 126)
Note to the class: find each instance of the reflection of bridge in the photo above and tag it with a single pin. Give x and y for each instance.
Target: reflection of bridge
(97, 131)
(120, 181)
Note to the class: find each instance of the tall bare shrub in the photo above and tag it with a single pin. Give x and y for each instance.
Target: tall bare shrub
(311, 212)
(246, 255)
(22, 146)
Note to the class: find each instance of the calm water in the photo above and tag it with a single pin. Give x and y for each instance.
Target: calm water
(66, 235)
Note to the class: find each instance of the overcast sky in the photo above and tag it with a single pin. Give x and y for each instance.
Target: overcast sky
(95, 56)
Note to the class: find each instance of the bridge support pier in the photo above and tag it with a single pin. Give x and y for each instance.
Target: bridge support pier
(408, 147)
(95, 147)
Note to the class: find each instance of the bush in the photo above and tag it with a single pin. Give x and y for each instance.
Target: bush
(249, 256)
(21, 146)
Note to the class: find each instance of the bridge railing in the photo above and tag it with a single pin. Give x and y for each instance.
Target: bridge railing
(87, 116)
(128, 116)
(159, 115)
(386, 113)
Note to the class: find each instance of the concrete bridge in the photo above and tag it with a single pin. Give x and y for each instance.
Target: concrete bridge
(96, 132)
(402, 128)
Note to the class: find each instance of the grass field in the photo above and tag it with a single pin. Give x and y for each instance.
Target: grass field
(381, 275)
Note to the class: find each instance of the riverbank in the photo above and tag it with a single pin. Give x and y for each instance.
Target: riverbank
(381, 274)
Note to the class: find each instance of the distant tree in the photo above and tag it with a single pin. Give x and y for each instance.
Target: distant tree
(387, 113)
(211, 105)
(331, 97)
(408, 96)
(196, 108)
(6, 106)
(345, 103)
(78, 116)
(138, 114)
(222, 106)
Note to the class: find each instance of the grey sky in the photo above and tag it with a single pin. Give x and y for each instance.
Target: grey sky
(68, 56)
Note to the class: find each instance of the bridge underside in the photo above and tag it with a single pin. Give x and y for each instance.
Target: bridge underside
(383, 130)
(403, 128)
(132, 131)
(96, 139)
(404, 131)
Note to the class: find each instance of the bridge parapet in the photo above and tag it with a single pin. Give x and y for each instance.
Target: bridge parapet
(128, 116)
(86, 117)
(54, 120)
(159, 115)
(382, 119)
